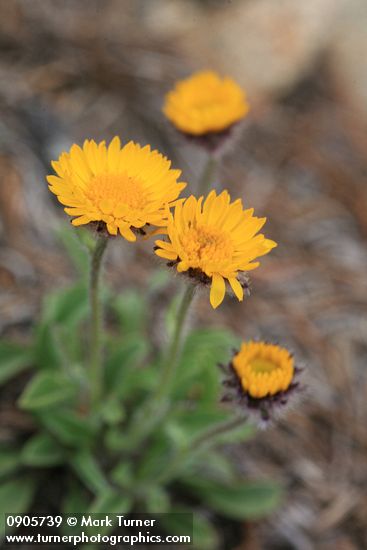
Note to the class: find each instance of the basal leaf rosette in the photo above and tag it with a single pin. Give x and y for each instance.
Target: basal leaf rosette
(214, 242)
(262, 379)
(125, 187)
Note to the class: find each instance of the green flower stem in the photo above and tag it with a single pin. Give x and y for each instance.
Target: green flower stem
(204, 440)
(207, 176)
(171, 362)
(96, 320)
(158, 406)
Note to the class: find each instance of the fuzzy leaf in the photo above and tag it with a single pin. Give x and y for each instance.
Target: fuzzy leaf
(73, 240)
(9, 461)
(66, 306)
(195, 421)
(157, 500)
(112, 410)
(122, 474)
(154, 459)
(198, 375)
(130, 308)
(47, 390)
(112, 502)
(14, 358)
(109, 503)
(186, 521)
(241, 500)
(47, 350)
(215, 466)
(16, 496)
(89, 472)
(204, 534)
(76, 499)
(69, 428)
(122, 373)
(41, 450)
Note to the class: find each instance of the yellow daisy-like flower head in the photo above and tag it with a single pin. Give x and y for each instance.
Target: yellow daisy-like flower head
(264, 369)
(205, 103)
(214, 241)
(124, 187)
(261, 378)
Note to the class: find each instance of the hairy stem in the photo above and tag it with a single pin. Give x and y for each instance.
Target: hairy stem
(171, 362)
(206, 178)
(95, 335)
(158, 405)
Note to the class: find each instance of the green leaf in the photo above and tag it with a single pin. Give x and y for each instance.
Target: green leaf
(15, 497)
(122, 372)
(46, 390)
(42, 450)
(76, 499)
(67, 306)
(204, 534)
(206, 416)
(130, 308)
(89, 472)
(241, 500)
(154, 459)
(47, 350)
(215, 466)
(206, 347)
(9, 461)
(179, 521)
(69, 428)
(111, 501)
(14, 358)
(58, 341)
(116, 440)
(157, 500)
(76, 243)
(175, 432)
(186, 521)
(197, 420)
(112, 410)
(198, 376)
(122, 474)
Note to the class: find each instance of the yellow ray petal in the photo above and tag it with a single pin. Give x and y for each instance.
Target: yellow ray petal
(217, 290)
(236, 287)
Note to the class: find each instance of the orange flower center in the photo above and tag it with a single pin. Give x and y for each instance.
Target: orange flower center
(203, 106)
(206, 244)
(260, 365)
(264, 369)
(112, 192)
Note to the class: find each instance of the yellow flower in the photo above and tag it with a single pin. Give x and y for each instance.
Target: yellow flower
(125, 188)
(264, 369)
(214, 240)
(262, 380)
(205, 103)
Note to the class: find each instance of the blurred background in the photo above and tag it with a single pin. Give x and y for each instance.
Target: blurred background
(96, 68)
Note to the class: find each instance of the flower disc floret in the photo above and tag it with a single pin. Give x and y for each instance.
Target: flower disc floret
(205, 103)
(215, 238)
(263, 381)
(124, 187)
(264, 369)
